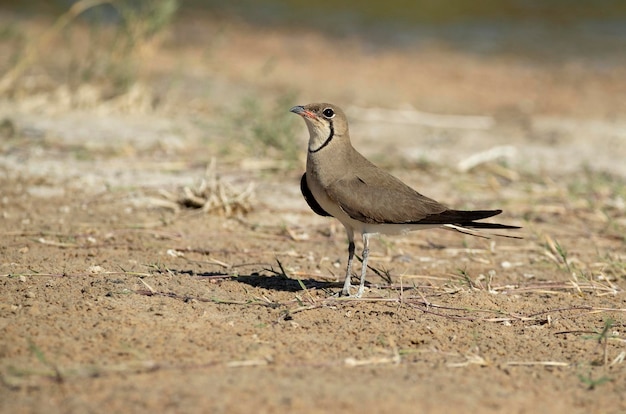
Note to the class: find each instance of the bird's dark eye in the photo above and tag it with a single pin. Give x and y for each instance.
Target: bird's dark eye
(328, 113)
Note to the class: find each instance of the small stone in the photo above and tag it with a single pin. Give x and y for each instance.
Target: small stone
(95, 269)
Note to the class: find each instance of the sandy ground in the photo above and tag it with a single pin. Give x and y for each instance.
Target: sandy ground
(114, 297)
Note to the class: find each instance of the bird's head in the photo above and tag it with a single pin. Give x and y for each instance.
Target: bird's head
(325, 122)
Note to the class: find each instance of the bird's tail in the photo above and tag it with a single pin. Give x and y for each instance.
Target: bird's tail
(464, 221)
(479, 225)
(468, 228)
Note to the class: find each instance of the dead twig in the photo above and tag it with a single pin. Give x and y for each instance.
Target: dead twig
(213, 195)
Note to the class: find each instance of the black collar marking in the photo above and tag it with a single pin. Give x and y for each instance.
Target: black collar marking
(330, 137)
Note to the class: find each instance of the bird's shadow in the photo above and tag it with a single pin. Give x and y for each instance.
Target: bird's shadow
(273, 281)
(283, 283)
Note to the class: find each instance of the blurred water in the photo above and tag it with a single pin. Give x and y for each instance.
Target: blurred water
(537, 29)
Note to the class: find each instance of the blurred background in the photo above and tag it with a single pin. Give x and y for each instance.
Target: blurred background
(129, 130)
(409, 47)
(422, 81)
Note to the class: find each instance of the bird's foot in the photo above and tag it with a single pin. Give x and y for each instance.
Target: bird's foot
(342, 293)
(359, 293)
(345, 292)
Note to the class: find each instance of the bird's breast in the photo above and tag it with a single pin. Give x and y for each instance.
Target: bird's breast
(320, 195)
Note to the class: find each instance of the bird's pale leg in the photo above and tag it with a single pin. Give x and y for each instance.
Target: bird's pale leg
(346, 284)
(366, 253)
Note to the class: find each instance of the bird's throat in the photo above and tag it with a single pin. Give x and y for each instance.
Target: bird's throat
(331, 135)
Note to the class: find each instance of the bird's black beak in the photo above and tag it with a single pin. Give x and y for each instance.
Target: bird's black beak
(297, 109)
(300, 110)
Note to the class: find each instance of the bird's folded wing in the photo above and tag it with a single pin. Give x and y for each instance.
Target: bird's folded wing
(384, 199)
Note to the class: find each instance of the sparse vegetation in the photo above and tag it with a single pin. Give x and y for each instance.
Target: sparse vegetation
(269, 129)
(591, 382)
(104, 49)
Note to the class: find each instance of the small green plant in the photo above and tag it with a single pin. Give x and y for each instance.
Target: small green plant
(592, 383)
(38, 353)
(159, 267)
(465, 277)
(558, 252)
(603, 337)
(269, 129)
(562, 254)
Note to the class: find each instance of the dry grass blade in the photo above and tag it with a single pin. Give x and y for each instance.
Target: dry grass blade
(56, 244)
(541, 363)
(246, 363)
(470, 359)
(353, 362)
(619, 359)
(147, 285)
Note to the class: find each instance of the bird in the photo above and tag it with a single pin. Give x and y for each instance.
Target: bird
(339, 182)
